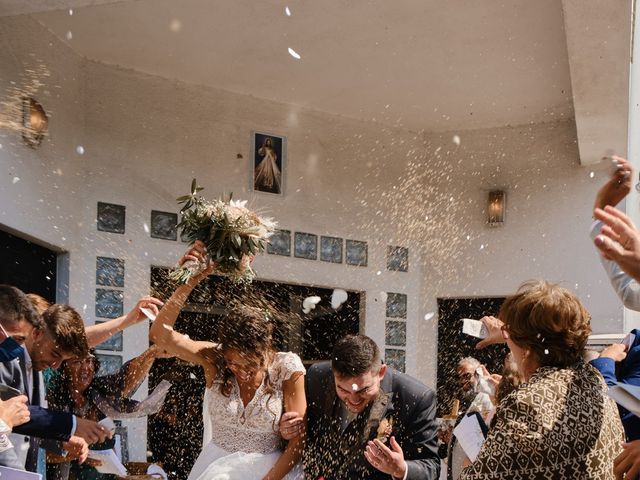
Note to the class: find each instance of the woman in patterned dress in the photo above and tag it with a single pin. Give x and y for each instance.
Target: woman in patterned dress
(559, 423)
(249, 387)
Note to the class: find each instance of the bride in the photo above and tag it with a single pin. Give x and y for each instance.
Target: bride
(249, 387)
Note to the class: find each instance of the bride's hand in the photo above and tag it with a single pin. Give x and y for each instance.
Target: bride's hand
(291, 425)
(195, 253)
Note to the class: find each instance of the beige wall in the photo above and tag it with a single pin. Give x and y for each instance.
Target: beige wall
(145, 138)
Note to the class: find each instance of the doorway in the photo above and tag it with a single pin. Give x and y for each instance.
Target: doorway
(453, 345)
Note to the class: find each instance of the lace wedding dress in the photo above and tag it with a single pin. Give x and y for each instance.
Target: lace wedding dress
(243, 442)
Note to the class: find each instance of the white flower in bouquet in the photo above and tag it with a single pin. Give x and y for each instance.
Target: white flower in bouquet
(232, 233)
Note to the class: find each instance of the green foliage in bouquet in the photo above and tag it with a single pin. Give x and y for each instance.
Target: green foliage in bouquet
(233, 235)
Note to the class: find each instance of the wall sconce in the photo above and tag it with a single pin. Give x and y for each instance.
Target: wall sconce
(34, 121)
(496, 208)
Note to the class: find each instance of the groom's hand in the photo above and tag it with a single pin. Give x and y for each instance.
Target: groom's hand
(387, 460)
(291, 425)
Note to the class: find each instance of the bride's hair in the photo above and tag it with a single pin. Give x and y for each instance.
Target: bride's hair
(248, 330)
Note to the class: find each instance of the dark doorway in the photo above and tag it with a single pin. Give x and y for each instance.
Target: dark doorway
(453, 345)
(27, 266)
(174, 435)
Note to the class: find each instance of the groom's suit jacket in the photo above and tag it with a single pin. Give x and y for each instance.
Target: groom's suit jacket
(404, 403)
(43, 423)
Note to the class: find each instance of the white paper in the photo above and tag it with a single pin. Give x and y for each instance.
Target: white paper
(150, 405)
(148, 313)
(470, 436)
(475, 328)
(110, 463)
(107, 423)
(626, 395)
(7, 473)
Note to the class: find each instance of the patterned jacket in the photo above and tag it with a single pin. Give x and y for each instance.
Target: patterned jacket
(561, 424)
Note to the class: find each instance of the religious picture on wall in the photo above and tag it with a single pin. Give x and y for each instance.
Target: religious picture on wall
(268, 162)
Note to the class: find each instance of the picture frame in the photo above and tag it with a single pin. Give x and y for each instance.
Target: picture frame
(164, 225)
(109, 272)
(356, 253)
(268, 155)
(109, 303)
(109, 364)
(397, 259)
(331, 249)
(111, 217)
(280, 243)
(305, 246)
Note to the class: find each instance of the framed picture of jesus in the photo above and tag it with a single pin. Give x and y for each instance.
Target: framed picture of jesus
(268, 160)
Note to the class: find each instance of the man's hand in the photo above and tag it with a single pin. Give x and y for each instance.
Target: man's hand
(494, 327)
(627, 464)
(387, 460)
(91, 431)
(617, 352)
(291, 425)
(618, 186)
(14, 411)
(77, 448)
(619, 240)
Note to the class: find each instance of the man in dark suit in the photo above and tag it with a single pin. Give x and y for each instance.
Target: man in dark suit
(366, 420)
(49, 342)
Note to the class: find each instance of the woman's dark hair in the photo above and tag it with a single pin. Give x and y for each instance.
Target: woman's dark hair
(60, 387)
(248, 330)
(549, 321)
(511, 379)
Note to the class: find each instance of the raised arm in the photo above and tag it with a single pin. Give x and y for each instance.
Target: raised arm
(294, 401)
(101, 332)
(162, 332)
(139, 368)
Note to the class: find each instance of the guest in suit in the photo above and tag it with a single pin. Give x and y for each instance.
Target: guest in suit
(60, 337)
(367, 420)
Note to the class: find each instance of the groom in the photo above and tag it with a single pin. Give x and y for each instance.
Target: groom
(366, 420)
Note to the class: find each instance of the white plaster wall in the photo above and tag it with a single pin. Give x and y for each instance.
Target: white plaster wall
(146, 137)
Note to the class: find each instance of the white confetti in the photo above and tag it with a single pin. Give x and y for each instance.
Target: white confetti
(294, 54)
(69, 35)
(146, 227)
(546, 351)
(15, 180)
(80, 150)
(592, 174)
(84, 307)
(71, 12)
(429, 316)
(354, 387)
(287, 11)
(310, 303)
(456, 139)
(175, 25)
(468, 237)
(379, 272)
(192, 376)
(338, 297)
(482, 247)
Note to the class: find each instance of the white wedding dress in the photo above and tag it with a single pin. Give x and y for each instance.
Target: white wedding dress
(242, 443)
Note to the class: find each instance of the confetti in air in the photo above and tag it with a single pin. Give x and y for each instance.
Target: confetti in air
(69, 35)
(80, 150)
(592, 174)
(338, 297)
(146, 227)
(429, 316)
(175, 25)
(354, 387)
(287, 12)
(294, 54)
(310, 303)
(15, 180)
(456, 139)
(71, 12)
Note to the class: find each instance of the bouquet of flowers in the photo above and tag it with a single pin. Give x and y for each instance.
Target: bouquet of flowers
(232, 233)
